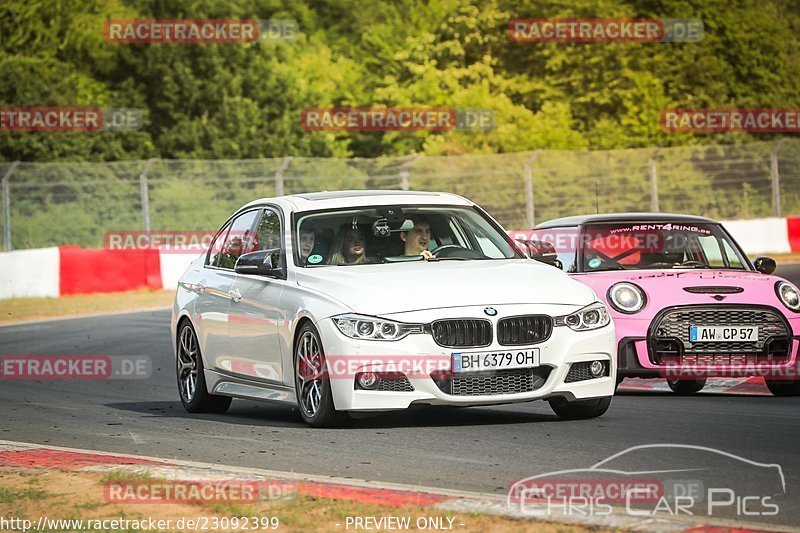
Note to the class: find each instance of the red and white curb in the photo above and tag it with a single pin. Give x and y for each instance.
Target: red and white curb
(748, 386)
(26, 455)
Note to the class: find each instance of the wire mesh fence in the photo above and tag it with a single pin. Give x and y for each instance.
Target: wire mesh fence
(48, 204)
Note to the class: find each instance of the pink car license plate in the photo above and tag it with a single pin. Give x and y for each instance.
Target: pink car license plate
(723, 333)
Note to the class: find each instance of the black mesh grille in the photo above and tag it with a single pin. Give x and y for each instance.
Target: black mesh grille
(495, 382)
(519, 330)
(580, 372)
(462, 332)
(389, 382)
(394, 384)
(672, 328)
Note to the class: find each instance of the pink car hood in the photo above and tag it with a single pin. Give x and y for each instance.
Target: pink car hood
(664, 288)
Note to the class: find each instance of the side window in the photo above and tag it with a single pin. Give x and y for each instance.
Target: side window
(216, 246)
(268, 233)
(239, 241)
(733, 257)
(710, 247)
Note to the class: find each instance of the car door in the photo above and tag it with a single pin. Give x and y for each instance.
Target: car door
(215, 286)
(254, 315)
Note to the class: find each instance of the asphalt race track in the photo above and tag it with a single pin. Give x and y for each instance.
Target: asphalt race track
(476, 449)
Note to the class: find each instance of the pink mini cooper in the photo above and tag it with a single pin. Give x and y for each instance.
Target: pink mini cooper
(686, 301)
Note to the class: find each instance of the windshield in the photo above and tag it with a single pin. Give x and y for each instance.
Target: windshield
(391, 234)
(658, 246)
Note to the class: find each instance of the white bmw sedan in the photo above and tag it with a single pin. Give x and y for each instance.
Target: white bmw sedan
(367, 301)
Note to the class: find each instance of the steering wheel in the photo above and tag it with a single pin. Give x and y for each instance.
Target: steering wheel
(693, 263)
(454, 250)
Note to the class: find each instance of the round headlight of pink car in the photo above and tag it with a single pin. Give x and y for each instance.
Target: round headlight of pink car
(626, 297)
(789, 295)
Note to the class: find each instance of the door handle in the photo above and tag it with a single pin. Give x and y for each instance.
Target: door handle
(235, 295)
(201, 286)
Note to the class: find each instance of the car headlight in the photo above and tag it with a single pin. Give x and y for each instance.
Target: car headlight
(374, 329)
(592, 316)
(788, 294)
(626, 297)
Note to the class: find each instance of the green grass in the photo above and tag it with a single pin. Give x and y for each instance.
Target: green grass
(12, 496)
(21, 309)
(126, 476)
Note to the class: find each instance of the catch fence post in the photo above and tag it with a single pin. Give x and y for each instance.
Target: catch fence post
(774, 173)
(6, 185)
(280, 188)
(654, 207)
(530, 213)
(404, 173)
(144, 193)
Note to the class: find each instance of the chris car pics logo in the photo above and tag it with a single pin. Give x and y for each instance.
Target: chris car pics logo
(656, 480)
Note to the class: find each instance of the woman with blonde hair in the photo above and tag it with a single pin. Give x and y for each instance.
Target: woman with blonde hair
(349, 247)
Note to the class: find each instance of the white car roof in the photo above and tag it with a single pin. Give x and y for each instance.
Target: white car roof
(342, 199)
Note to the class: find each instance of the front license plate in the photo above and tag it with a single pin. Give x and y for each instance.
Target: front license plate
(723, 333)
(498, 360)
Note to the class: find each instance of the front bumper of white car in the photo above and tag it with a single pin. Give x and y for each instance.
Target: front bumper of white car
(562, 369)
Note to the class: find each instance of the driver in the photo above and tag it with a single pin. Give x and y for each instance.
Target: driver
(416, 241)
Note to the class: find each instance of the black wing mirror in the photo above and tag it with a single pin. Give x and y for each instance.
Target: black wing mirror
(262, 263)
(544, 252)
(765, 265)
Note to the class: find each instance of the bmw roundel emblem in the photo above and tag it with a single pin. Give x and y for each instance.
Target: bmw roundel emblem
(491, 311)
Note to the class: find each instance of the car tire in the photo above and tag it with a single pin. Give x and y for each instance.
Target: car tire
(783, 388)
(580, 409)
(686, 387)
(191, 378)
(312, 382)
(616, 385)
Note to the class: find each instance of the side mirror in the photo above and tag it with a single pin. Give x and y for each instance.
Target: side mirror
(765, 265)
(542, 251)
(262, 263)
(522, 246)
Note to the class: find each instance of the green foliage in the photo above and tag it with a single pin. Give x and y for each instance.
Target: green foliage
(243, 101)
(234, 109)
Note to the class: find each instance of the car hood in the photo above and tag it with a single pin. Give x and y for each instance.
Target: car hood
(402, 287)
(667, 287)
